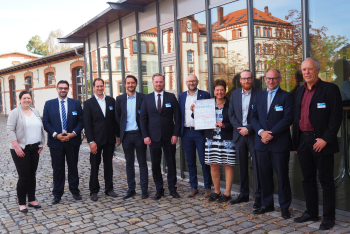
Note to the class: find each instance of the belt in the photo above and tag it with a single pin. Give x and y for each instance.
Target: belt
(32, 145)
(190, 128)
(308, 133)
(133, 131)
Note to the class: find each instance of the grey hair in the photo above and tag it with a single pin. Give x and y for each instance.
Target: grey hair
(275, 69)
(318, 66)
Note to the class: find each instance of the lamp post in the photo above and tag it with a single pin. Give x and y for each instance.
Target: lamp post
(80, 86)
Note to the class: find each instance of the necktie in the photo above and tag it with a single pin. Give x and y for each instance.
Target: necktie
(64, 116)
(159, 104)
(269, 98)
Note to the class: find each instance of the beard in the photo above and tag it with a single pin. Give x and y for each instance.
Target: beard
(247, 86)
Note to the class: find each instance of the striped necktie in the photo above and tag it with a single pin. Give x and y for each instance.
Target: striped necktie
(64, 116)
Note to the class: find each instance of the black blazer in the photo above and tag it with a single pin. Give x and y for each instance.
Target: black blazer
(235, 112)
(164, 125)
(325, 121)
(98, 128)
(121, 112)
(226, 132)
(278, 122)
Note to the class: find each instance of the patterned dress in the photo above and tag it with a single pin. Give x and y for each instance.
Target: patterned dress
(219, 151)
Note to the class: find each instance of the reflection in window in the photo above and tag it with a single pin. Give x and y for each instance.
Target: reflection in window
(13, 94)
(105, 63)
(216, 52)
(116, 66)
(149, 58)
(117, 44)
(119, 64)
(190, 56)
(205, 47)
(107, 88)
(120, 84)
(216, 68)
(50, 78)
(134, 46)
(258, 48)
(168, 40)
(143, 47)
(144, 67)
(239, 32)
(222, 52)
(151, 47)
(257, 31)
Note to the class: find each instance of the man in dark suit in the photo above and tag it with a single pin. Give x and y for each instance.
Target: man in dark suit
(272, 116)
(101, 131)
(127, 114)
(191, 138)
(160, 127)
(244, 135)
(63, 122)
(317, 118)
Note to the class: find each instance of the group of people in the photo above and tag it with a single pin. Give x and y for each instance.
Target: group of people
(251, 122)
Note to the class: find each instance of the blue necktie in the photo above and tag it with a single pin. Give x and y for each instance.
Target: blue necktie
(64, 116)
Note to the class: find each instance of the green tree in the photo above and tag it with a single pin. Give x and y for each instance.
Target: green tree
(36, 46)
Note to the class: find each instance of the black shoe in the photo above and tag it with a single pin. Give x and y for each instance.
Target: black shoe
(111, 193)
(306, 217)
(327, 224)
(224, 198)
(129, 194)
(174, 194)
(94, 197)
(56, 200)
(36, 206)
(145, 195)
(264, 209)
(77, 196)
(214, 197)
(158, 195)
(240, 198)
(285, 213)
(24, 210)
(257, 203)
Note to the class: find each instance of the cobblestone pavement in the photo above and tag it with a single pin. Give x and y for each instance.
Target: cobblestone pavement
(115, 215)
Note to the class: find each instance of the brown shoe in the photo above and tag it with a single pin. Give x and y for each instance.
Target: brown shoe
(94, 197)
(192, 193)
(207, 193)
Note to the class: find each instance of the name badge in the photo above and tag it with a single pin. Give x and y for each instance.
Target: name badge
(139, 111)
(111, 108)
(167, 104)
(279, 108)
(74, 113)
(321, 105)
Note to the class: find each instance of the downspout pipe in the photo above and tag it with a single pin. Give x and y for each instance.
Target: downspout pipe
(3, 84)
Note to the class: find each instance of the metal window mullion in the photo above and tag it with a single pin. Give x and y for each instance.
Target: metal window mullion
(122, 62)
(209, 49)
(305, 27)
(98, 57)
(250, 22)
(109, 64)
(90, 61)
(159, 38)
(139, 61)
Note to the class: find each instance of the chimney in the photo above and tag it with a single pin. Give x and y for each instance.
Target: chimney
(266, 9)
(220, 15)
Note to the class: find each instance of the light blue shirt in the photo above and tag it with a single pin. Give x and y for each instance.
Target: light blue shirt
(131, 124)
(156, 98)
(245, 106)
(272, 97)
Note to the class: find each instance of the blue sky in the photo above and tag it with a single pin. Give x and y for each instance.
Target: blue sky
(22, 19)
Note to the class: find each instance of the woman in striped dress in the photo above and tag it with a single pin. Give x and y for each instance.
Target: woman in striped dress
(219, 148)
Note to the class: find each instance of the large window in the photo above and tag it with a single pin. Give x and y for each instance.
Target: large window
(168, 40)
(116, 67)
(13, 94)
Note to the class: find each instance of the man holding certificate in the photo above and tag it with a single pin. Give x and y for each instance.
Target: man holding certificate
(193, 139)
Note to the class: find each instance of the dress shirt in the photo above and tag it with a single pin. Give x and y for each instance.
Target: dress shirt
(245, 106)
(131, 123)
(304, 122)
(60, 108)
(188, 120)
(102, 103)
(156, 98)
(274, 91)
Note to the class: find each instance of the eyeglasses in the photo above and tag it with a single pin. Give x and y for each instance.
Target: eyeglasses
(246, 79)
(191, 81)
(272, 79)
(60, 88)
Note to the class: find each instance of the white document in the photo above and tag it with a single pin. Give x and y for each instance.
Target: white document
(204, 114)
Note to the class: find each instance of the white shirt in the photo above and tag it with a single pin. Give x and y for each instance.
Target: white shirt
(60, 108)
(245, 106)
(188, 120)
(102, 103)
(161, 98)
(33, 129)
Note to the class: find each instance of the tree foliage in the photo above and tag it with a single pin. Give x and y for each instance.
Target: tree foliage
(36, 46)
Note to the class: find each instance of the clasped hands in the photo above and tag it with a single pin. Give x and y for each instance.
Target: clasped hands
(266, 136)
(65, 136)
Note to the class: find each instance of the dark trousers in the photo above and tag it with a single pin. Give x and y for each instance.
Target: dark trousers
(26, 169)
(243, 145)
(192, 140)
(156, 157)
(107, 151)
(310, 162)
(69, 153)
(267, 162)
(132, 141)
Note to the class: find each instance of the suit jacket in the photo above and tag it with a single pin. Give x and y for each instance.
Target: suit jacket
(182, 101)
(325, 121)
(99, 128)
(278, 122)
(52, 121)
(162, 125)
(235, 112)
(121, 112)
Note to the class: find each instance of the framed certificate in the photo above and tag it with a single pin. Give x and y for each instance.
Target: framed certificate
(204, 114)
